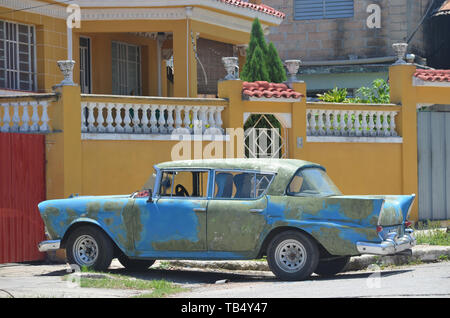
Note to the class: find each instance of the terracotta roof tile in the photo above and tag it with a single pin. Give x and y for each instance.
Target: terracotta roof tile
(262, 89)
(433, 75)
(444, 9)
(258, 7)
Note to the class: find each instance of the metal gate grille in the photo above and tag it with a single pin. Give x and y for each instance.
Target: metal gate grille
(265, 138)
(434, 165)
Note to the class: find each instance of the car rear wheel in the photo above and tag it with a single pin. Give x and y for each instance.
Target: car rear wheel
(331, 267)
(292, 256)
(89, 247)
(135, 264)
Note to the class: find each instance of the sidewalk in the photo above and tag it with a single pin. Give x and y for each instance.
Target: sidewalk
(420, 253)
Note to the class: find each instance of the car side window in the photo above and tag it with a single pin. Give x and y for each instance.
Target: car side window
(296, 184)
(193, 184)
(312, 182)
(240, 185)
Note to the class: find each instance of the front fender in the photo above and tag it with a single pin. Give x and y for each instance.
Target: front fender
(117, 217)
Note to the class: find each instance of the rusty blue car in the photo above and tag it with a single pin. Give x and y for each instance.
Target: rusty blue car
(231, 209)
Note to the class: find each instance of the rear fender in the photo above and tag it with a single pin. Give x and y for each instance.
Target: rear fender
(337, 223)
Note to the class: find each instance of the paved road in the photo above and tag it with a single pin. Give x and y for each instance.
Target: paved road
(429, 280)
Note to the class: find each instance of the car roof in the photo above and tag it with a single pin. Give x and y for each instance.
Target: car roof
(259, 164)
(284, 168)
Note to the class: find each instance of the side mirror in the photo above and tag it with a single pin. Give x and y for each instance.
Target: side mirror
(150, 195)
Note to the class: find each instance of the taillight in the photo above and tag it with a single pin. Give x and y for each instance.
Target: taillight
(379, 228)
(407, 224)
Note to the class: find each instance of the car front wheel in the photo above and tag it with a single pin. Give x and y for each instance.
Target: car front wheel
(89, 247)
(292, 256)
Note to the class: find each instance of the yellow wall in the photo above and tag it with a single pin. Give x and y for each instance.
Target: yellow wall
(121, 167)
(51, 44)
(117, 167)
(360, 168)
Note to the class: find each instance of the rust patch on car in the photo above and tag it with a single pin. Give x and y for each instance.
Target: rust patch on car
(331, 239)
(132, 225)
(92, 209)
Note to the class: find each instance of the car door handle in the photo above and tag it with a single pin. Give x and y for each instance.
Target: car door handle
(256, 210)
(199, 209)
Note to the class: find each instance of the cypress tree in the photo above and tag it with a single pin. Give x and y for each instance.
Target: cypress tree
(256, 40)
(275, 66)
(257, 69)
(268, 64)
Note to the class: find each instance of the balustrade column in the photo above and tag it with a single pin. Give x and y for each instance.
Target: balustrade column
(135, 119)
(170, 120)
(118, 119)
(109, 118)
(187, 120)
(342, 124)
(392, 127)
(25, 117)
(328, 122)
(100, 119)
(162, 119)
(6, 118)
(15, 118)
(145, 120)
(127, 119)
(91, 117)
(153, 120)
(336, 131)
(34, 117)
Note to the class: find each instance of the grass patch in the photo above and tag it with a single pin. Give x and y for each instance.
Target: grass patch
(155, 288)
(433, 234)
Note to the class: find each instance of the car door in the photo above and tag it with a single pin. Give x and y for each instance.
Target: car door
(236, 210)
(175, 219)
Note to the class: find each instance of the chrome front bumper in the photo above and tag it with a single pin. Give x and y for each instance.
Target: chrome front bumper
(391, 245)
(46, 246)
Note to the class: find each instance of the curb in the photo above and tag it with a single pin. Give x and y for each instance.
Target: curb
(420, 253)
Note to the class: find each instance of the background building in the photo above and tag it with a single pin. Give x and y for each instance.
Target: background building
(342, 43)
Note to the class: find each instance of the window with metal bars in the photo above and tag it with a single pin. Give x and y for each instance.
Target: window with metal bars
(85, 65)
(126, 69)
(323, 9)
(17, 56)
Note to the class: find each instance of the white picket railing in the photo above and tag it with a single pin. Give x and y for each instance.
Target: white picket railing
(127, 118)
(351, 123)
(24, 116)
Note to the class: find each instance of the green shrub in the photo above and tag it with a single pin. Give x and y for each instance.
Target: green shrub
(378, 93)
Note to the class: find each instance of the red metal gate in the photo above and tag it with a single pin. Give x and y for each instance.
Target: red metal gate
(22, 187)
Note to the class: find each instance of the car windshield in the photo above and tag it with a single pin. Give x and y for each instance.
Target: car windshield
(312, 181)
(150, 183)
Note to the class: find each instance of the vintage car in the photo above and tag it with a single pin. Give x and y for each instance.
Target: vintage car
(231, 209)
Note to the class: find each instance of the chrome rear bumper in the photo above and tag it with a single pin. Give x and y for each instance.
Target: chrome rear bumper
(391, 245)
(46, 246)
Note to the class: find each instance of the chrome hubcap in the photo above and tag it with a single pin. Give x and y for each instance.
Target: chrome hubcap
(85, 250)
(290, 255)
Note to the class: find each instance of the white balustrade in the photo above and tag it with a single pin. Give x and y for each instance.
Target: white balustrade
(15, 116)
(150, 118)
(352, 123)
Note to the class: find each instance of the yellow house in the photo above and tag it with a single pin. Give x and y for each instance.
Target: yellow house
(143, 48)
